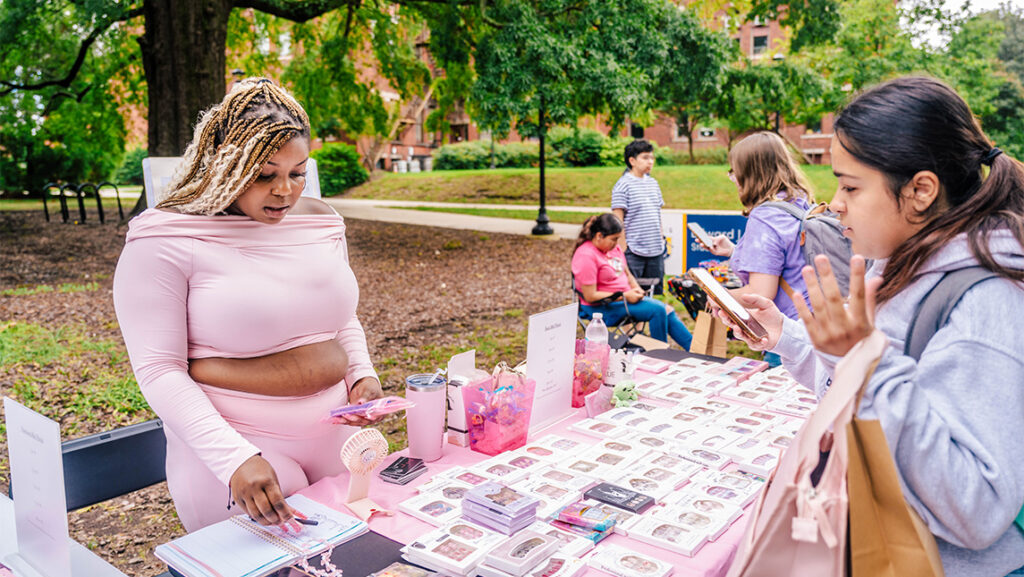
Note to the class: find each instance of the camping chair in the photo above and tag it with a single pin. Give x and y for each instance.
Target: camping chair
(105, 465)
(627, 328)
(158, 170)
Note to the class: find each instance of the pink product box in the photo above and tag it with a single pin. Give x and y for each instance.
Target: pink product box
(570, 544)
(650, 364)
(668, 535)
(703, 503)
(622, 562)
(699, 522)
(521, 552)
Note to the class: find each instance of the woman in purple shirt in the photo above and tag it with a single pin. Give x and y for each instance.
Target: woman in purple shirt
(768, 256)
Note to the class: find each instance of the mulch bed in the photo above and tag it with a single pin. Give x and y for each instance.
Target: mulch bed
(420, 288)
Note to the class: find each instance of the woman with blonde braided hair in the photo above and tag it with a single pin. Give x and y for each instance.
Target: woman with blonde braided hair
(237, 305)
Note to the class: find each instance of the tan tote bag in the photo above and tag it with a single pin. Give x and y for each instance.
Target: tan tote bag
(709, 336)
(887, 537)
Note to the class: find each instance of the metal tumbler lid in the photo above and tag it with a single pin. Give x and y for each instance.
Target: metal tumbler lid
(425, 382)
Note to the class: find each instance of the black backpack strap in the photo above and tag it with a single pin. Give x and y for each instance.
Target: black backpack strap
(934, 309)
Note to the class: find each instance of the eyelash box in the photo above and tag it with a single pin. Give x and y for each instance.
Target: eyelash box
(519, 553)
(599, 429)
(569, 544)
(457, 547)
(710, 506)
(573, 480)
(711, 526)
(623, 519)
(432, 507)
(622, 562)
(654, 488)
(674, 537)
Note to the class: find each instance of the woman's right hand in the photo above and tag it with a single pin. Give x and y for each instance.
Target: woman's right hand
(721, 246)
(255, 489)
(764, 312)
(634, 295)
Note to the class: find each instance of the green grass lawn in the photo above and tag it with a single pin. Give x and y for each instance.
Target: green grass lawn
(689, 187)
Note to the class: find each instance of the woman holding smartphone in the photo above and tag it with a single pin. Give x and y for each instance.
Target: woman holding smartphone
(768, 258)
(922, 189)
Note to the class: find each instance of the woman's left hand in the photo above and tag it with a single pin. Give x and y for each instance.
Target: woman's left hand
(366, 389)
(833, 327)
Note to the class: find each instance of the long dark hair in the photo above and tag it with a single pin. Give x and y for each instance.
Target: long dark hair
(606, 224)
(916, 123)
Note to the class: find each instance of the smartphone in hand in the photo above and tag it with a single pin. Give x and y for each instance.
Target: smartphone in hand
(728, 303)
(701, 235)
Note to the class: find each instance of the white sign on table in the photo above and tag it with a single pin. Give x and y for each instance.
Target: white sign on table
(550, 351)
(37, 476)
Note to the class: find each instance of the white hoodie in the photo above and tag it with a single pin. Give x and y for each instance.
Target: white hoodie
(955, 420)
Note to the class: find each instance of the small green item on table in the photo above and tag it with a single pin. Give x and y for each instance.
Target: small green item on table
(624, 393)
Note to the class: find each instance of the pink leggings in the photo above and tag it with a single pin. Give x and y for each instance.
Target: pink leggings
(201, 499)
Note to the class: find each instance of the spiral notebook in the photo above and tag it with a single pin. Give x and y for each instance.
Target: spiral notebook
(239, 547)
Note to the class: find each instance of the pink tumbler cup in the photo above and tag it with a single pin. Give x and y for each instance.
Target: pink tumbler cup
(425, 421)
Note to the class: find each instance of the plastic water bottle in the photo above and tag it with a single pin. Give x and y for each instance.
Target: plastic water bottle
(597, 332)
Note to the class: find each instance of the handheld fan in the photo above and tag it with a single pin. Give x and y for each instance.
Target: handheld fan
(362, 453)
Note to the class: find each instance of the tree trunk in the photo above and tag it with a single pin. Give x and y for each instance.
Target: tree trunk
(183, 54)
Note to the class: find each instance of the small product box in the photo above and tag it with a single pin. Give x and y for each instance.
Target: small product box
(569, 544)
(675, 537)
(621, 497)
(623, 562)
(586, 516)
(521, 552)
(456, 548)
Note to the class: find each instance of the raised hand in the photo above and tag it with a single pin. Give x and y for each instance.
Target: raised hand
(835, 327)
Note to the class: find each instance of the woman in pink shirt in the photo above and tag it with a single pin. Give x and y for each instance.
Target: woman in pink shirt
(237, 305)
(600, 272)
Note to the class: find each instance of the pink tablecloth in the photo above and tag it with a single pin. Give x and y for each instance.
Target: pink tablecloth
(711, 560)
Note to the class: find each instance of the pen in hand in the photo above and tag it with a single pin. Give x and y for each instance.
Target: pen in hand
(306, 521)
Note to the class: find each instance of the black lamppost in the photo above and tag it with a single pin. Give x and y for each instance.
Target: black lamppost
(542, 227)
(778, 57)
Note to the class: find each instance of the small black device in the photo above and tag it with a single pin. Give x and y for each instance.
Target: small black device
(620, 497)
(402, 470)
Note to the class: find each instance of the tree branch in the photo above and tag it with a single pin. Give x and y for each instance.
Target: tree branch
(83, 51)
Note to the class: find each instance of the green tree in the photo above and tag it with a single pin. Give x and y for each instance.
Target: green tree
(761, 96)
(694, 70)
(70, 129)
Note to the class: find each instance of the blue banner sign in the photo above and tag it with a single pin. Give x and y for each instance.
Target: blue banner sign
(731, 225)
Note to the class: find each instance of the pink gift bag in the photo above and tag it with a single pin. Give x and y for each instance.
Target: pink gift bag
(498, 411)
(795, 527)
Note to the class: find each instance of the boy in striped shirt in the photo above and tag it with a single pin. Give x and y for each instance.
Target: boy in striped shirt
(637, 201)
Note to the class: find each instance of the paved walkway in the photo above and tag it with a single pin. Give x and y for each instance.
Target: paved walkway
(402, 211)
(399, 211)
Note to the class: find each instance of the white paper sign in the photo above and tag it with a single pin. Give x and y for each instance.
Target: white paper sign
(675, 238)
(550, 350)
(37, 475)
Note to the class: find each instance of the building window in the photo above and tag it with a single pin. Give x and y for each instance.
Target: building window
(760, 45)
(636, 131)
(814, 126)
(759, 22)
(681, 131)
(706, 132)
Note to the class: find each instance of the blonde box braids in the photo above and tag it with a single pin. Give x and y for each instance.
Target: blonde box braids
(232, 142)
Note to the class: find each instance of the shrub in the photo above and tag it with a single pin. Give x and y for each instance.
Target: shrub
(476, 154)
(584, 148)
(613, 149)
(339, 168)
(464, 155)
(130, 171)
(679, 156)
(520, 155)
